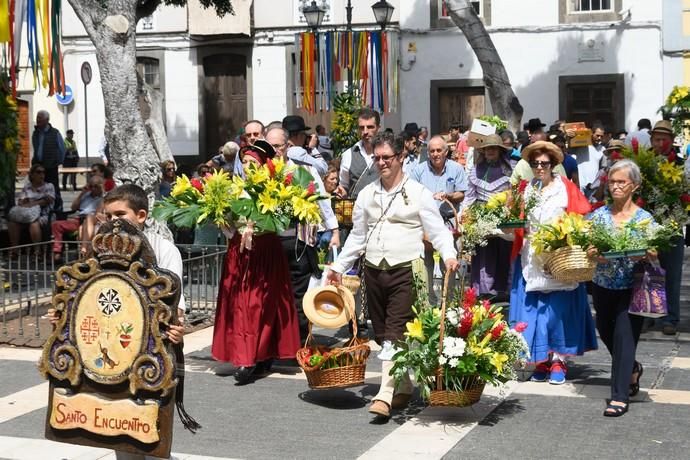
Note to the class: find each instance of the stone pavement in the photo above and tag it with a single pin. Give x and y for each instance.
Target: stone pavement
(279, 417)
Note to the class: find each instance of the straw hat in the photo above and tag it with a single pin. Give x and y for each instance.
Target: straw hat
(663, 127)
(547, 147)
(329, 306)
(615, 144)
(494, 140)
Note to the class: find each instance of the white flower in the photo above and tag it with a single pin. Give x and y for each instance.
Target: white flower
(453, 347)
(454, 362)
(452, 317)
(442, 360)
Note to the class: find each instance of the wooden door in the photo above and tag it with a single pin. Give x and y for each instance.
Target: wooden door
(24, 157)
(225, 99)
(592, 103)
(459, 105)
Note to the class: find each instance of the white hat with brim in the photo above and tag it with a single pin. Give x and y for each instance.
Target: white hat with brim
(550, 149)
(329, 306)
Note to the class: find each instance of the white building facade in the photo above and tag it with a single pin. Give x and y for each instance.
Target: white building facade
(579, 60)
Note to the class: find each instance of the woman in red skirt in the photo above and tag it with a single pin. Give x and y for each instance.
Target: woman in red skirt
(256, 321)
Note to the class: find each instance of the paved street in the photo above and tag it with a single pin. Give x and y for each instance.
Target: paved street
(279, 417)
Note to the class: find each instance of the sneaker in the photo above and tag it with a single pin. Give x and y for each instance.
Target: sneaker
(558, 371)
(541, 372)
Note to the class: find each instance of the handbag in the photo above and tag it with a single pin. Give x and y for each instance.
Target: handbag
(648, 291)
(24, 215)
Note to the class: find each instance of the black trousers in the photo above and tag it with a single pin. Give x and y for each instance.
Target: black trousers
(303, 262)
(52, 177)
(390, 295)
(620, 332)
(71, 177)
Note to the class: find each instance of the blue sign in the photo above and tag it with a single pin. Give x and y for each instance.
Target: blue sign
(67, 98)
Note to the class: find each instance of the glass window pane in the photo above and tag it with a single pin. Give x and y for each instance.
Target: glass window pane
(596, 5)
(585, 5)
(477, 7)
(605, 4)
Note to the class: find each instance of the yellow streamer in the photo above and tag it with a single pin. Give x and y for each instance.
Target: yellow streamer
(43, 18)
(4, 21)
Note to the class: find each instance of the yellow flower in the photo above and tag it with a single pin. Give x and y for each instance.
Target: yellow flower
(497, 360)
(181, 186)
(670, 172)
(415, 331)
(479, 348)
(267, 202)
(497, 200)
(306, 210)
(9, 144)
(236, 188)
(279, 164)
(11, 102)
(258, 175)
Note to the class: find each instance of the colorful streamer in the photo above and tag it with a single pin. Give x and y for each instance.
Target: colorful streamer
(322, 62)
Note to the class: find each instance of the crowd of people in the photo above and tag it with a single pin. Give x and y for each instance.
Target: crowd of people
(406, 191)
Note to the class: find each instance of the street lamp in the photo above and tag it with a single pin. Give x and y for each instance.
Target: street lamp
(313, 15)
(383, 11)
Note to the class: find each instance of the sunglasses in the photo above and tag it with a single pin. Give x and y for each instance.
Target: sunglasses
(384, 158)
(540, 164)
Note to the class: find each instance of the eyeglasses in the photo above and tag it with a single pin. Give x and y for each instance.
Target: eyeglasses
(619, 183)
(436, 150)
(384, 158)
(540, 164)
(170, 169)
(277, 146)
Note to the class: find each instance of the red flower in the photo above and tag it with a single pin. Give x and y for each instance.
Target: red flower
(522, 186)
(470, 298)
(288, 179)
(271, 168)
(616, 155)
(486, 304)
(685, 198)
(641, 202)
(311, 188)
(465, 326)
(635, 145)
(604, 178)
(521, 326)
(672, 157)
(666, 146)
(497, 331)
(197, 184)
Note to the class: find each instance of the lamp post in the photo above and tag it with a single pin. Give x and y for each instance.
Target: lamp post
(313, 15)
(383, 11)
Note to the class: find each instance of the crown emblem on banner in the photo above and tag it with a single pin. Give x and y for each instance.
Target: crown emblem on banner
(117, 244)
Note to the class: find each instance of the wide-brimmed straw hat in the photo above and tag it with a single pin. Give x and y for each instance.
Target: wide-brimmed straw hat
(543, 146)
(494, 140)
(615, 144)
(329, 306)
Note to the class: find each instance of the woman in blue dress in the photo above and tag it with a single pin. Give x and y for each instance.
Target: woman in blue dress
(612, 289)
(559, 322)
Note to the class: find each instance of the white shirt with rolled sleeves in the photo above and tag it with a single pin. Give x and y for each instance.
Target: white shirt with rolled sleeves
(397, 238)
(168, 257)
(346, 161)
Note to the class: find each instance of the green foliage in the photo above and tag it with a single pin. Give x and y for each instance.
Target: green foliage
(496, 121)
(643, 234)
(222, 7)
(344, 125)
(9, 140)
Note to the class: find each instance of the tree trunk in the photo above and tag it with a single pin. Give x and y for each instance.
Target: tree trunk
(503, 100)
(111, 26)
(152, 112)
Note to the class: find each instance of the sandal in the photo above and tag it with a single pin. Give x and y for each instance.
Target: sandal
(635, 387)
(614, 410)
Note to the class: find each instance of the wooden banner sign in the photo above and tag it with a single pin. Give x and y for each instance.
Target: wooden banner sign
(112, 374)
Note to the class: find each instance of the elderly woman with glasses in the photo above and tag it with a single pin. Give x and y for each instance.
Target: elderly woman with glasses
(33, 207)
(559, 322)
(612, 288)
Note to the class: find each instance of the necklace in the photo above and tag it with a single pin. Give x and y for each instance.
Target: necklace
(400, 188)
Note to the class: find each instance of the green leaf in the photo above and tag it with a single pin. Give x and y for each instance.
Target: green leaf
(302, 177)
(263, 222)
(187, 217)
(243, 207)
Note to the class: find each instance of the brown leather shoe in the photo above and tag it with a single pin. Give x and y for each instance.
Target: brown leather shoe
(380, 408)
(400, 400)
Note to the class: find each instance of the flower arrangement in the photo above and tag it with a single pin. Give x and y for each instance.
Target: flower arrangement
(477, 223)
(9, 140)
(677, 107)
(569, 229)
(271, 196)
(344, 125)
(664, 188)
(633, 238)
(477, 342)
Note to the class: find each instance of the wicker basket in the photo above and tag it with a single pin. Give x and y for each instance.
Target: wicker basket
(471, 386)
(352, 358)
(571, 264)
(352, 282)
(471, 392)
(342, 208)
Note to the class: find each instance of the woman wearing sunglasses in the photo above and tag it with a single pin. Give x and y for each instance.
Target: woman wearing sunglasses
(559, 322)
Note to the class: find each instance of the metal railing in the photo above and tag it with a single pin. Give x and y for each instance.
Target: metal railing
(27, 279)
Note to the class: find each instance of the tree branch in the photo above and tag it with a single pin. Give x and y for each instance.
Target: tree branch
(146, 8)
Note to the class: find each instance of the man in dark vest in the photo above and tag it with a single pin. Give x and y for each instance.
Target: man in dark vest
(357, 169)
(49, 151)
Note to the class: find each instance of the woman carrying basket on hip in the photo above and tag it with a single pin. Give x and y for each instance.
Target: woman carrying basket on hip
(557, 313)
(389, 219)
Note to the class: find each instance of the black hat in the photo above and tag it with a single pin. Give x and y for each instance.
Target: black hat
(411, 128)
(294, 124)
(261, 150)
(534, 124)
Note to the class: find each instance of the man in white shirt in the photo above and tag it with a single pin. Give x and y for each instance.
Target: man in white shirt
(644, 139)
(589, 160)
(390, 217)
(356, 165)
